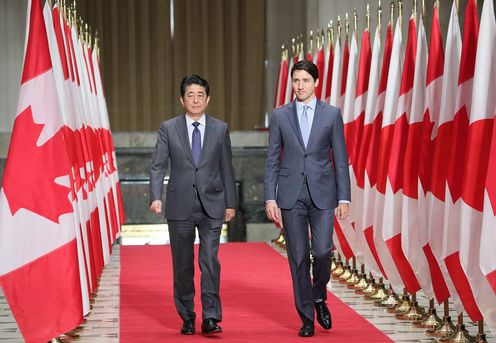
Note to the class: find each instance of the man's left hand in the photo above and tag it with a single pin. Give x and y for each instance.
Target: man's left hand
(343, 211)
(230, 213)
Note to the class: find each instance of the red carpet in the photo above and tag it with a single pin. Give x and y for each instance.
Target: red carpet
(256, 293)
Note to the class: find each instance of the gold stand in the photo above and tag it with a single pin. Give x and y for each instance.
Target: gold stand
(481, 337)
(446, 328)
(345, 276)
(390, 301)
(379, 294)
(361, 284)
(353, 280)
(415, 312)
(338, 271)
(431, 320)
(403, 305)
(333, 264)
(371, 288)
(461, 334)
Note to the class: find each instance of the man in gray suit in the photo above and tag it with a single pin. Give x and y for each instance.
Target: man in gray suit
(306, 175)
(201, 193)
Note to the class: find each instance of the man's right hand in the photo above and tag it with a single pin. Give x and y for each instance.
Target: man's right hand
(156, 206)
(273, 212)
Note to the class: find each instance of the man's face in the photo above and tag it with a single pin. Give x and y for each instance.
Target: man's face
(304, 85)
(195, 100)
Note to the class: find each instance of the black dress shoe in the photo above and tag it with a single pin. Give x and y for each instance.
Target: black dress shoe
(210, 327)
(188, 327)
(307, 330)
(323, 315)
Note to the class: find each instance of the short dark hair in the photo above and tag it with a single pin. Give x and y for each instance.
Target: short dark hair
(194, 79)
(307, 66)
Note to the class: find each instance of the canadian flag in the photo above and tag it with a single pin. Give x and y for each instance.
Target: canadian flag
(435, 198)
(455, 151)
(345, 225)
(382, 146)
(488, 235)
(393, 144)
(353, 134)
(413, 234)
(366, 156)
(320, 63)
(476, 164)
(327, 76)
(336, 75)
(39, 270)
(282, 79)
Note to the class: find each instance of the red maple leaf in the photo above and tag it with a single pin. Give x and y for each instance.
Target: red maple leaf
(31, 170)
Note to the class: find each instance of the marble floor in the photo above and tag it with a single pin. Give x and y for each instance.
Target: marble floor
(102, 324)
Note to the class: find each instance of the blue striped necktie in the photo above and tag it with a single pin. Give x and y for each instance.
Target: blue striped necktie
(196, 143)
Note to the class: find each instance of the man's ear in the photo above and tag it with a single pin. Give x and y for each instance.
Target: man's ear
(208, 100)
(182, 101)
(316, 82)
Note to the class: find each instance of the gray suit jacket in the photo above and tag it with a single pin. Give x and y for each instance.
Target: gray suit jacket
(213, 178)
(324, 161)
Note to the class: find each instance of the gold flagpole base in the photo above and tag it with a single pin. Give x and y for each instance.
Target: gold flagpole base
(360, 285)
(392, 300)
(371, 289)
(379, 294)
(333, 265)
(403, 306)
(353, 280)
(345, 276)
(338, 271)
(430, 321)
(461, 335)
(445, 329)
(415, 312)
(480, 338)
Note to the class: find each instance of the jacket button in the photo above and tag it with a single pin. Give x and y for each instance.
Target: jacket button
(196, 169)
(305, 155)
(194, 186)
(303, 173)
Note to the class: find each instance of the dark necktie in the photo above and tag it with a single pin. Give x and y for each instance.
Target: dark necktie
(196, 143)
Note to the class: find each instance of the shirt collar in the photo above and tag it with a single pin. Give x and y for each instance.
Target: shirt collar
(190, 121)
(311, 104)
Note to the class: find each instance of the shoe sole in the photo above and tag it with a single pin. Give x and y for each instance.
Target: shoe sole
(213, 333)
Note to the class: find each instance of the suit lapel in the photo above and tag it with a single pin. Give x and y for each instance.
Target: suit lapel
(206, 140)
(182, 133)
(293, 120)
(318, 120)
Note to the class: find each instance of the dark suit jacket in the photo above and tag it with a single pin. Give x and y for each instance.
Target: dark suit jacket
(288, 161)
(213, 178)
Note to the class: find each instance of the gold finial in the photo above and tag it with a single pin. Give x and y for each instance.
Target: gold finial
(400, 11)
(293, 47)
(330, 32)
(322, 37)
(414, 8)
(301, 45)
(339, 27)
(379, 16)
(367, 18)
(347, 26)
(310, 42)
(87, 33)
(355, 23)
(391, 12)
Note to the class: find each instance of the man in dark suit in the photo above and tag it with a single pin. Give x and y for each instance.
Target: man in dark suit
(200, 194)
(306, 176)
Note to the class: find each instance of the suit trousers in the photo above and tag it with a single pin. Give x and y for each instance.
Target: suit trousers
(182, 237)
(296, 222)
